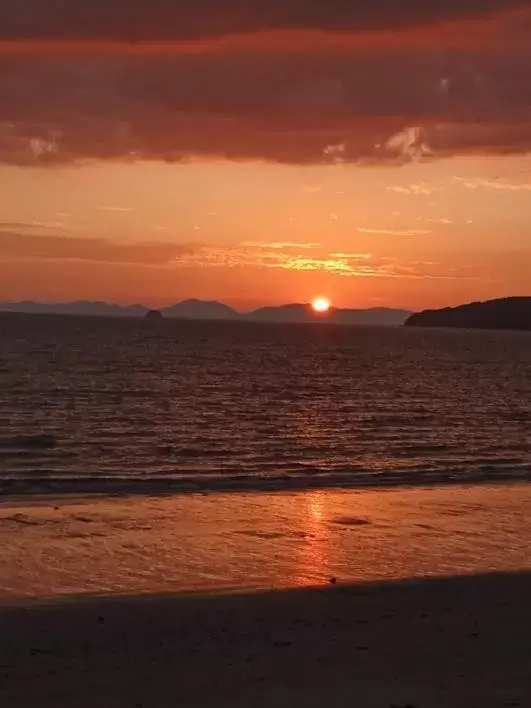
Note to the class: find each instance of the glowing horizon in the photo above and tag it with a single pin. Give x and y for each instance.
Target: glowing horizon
(321, 305)
(381, 157)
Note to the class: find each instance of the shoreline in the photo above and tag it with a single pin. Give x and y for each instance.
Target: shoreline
(451, 642)
(359, 589)
(164, 487)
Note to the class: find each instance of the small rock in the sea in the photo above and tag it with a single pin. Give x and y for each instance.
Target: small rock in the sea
(333, 581)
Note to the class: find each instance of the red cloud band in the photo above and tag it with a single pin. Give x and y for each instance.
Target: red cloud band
(303, 98)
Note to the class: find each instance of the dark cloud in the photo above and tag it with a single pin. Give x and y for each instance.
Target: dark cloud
(171, 19)
(379, 100)
(15, 245)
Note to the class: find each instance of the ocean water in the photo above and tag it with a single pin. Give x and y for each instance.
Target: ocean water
(104, 405)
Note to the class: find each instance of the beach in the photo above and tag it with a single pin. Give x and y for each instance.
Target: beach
(372, 599)
(453, 643)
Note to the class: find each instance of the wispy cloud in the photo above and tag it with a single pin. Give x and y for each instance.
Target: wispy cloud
(395, 232)
(30, 225)
(115, 209)
(329, 265)
(398, 189)
(19, 245)
(383, 268)
(429, 220)
(422, 189)
(352, 256)
(480, 183)
(280, 244)
(16, 247)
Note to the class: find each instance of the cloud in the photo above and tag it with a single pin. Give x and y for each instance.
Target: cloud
(422, 189)
(344, 267)
(115, 209)
(429, 220)
(279, 244)
(335, 153)
(309, 83)
(410, 144)
(15, 245)
(352, 256)
(30, 225)
(370, 268)
(478, 183)
(166, 20)
(395, 232)
(398, 189)
(19, 250)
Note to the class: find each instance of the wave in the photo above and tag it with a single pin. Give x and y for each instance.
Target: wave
(47, 483)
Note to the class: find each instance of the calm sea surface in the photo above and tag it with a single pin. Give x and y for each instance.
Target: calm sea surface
(130, 405)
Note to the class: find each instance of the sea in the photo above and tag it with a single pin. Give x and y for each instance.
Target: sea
(127, 406)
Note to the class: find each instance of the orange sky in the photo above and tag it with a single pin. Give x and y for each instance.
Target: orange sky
(377, 166)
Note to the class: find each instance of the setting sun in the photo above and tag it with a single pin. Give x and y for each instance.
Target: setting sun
(321, 304)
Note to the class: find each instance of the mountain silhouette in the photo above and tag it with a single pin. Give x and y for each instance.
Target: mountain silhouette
(80, 307)
(304, 313)
(200, 310)
(214, 310)
(505, 313)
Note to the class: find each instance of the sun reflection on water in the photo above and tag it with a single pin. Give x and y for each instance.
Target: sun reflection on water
(312, 559)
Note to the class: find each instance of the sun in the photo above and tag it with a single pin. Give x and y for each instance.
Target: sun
(321, 304)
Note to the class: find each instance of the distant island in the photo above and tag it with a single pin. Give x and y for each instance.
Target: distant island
(213, 310)
(153, 315)
(512, 313)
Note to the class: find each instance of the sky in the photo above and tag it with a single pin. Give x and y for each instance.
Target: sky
(376, 153)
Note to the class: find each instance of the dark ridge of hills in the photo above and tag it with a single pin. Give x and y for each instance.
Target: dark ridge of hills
(200, 310)
(80, 307)
(213, 310)
(513, 313)
(153, 315)
(372, 316)
(304, 313)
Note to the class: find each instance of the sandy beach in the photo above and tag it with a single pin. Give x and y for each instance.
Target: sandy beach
(452, 643)
(371, 599)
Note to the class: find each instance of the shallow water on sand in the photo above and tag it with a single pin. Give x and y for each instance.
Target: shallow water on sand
(95, 405)
(250, 541)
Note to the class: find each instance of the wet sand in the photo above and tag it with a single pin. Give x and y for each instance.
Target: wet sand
(154, 545)
(439, 643)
